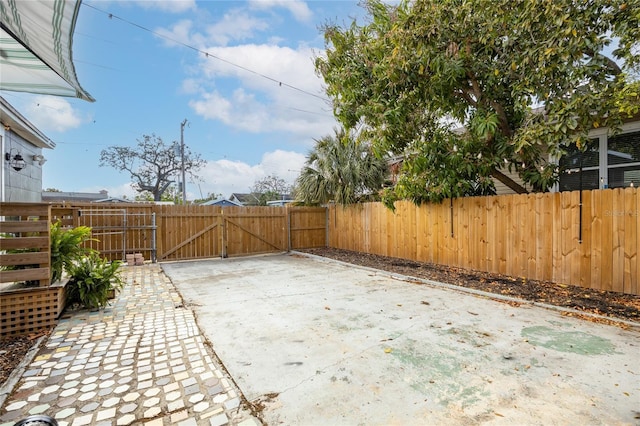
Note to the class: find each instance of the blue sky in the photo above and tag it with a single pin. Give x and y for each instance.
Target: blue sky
(147, 81)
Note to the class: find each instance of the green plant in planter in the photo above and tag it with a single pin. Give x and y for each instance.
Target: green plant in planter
(66, 248)
(92, 279)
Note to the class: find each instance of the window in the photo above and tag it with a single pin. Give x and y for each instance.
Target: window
(623, 157)
(607, 162)
(581, 169)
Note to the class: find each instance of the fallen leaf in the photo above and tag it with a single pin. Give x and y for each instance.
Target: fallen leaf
(387, 350)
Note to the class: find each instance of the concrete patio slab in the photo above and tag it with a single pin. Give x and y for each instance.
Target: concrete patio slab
(320, 342)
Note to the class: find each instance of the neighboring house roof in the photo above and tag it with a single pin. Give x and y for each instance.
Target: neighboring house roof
(12, 120)
(280, 202)
(244, 199)
(49, 197)
(36, 41)
(223, 202)
(113, 200)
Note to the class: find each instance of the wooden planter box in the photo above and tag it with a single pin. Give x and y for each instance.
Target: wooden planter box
(26, 310)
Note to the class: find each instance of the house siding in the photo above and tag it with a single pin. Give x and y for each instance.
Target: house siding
(24, 185)
(502, 189)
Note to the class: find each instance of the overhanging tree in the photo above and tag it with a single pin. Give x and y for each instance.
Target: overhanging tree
(152, 164)
(342, 170)
(419, 71)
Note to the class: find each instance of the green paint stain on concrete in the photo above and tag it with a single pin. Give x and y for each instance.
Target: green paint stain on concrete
(438, 374)
(568, 341)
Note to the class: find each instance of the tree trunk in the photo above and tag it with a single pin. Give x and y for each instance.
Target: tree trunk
(512, 184)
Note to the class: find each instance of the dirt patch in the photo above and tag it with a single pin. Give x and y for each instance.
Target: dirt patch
(14, 349)
(605, 303)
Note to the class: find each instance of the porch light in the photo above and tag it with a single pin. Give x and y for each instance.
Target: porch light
(16, 162)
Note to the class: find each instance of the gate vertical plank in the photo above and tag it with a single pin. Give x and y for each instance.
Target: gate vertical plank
(635, 280)
(630, 240)
(501, 233)
(607, 240)
(574, 245)
(596, 239)
(491, 235)
(437, 231)
(618, 237)
(585, 246)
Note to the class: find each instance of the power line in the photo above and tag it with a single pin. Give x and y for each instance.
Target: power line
(205, 53)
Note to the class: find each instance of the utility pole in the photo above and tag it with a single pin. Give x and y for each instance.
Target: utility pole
(184, 182)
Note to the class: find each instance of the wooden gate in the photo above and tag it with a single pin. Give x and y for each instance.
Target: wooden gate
(168, 232)
(253, 230)
(188, 232)
(199, 232)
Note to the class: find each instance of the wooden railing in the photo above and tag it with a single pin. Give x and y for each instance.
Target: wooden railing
(25, 243)
(28, 299)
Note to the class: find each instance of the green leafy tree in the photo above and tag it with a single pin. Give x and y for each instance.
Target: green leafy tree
(419, 70)
(170, 194)
(342, 170)
(210, 196)
(270, 188)
(152, 164)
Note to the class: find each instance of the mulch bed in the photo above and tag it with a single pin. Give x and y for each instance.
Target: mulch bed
(604, 303)
(14, 349)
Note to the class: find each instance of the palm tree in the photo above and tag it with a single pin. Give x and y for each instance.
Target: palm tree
(342, 170)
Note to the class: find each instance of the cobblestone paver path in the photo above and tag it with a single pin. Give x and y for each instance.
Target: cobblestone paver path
(141, 360)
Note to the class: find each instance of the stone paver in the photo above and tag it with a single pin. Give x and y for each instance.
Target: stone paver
(141, 360)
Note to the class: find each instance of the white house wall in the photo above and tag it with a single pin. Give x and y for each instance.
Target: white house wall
(601, 134)
(24, 185)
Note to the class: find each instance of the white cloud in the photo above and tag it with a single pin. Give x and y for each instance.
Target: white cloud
(298, 9)
(190, 86)
(234, 25)
(179, 33)
(171, 6)
(226, 177)
(51, 113)
(263, 104)
(280, 63)
(242, 111)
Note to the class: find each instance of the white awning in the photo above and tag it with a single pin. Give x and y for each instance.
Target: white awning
(36, 39)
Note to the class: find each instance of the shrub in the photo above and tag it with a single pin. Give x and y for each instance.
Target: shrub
(66, 248)
(92, 278)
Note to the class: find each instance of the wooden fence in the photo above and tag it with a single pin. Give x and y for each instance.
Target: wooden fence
(167, 232)
(25, 257)
(590, 240)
